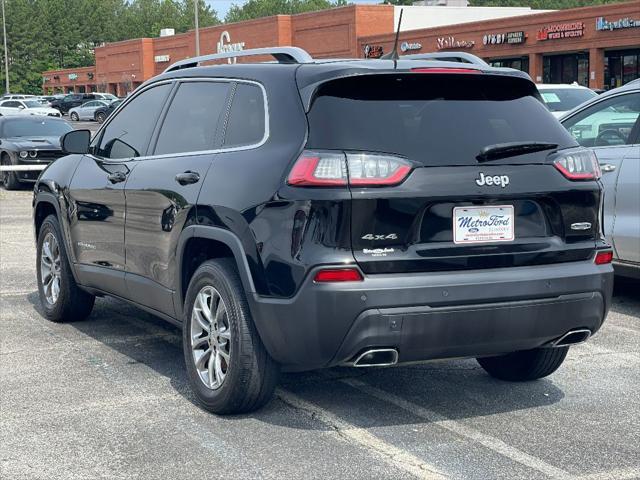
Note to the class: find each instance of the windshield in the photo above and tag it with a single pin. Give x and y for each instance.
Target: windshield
(18, 127)
(32, 104)
(435, 119)
(565, 99)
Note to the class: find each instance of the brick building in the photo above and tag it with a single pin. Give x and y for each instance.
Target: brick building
(595, 46)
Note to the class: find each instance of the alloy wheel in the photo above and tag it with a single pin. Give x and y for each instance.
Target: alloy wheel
(210, 337)
(50, 268)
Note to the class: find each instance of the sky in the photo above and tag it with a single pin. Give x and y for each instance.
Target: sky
(222, 6)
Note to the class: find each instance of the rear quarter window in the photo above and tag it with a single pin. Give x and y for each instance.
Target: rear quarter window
(434, 119)
(246, 123)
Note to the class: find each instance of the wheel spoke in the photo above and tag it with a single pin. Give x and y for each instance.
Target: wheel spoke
(55, 288)
(224, 355)
(198, 342)
(218, 366)
(46, 248)
(212, 375)
(226, 333)
(202, 358)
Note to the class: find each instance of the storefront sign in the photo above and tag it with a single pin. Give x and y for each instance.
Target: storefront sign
(451, 42)
(561, 30)
(228, 47)
(603, 24)
(161, 58)
(73, 76)
(512, 38)
(373, 51)
(406, 46)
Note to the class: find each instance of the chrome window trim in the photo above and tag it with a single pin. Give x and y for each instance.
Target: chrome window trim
(253, 146)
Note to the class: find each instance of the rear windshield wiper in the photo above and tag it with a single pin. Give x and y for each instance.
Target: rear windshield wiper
(505, 150)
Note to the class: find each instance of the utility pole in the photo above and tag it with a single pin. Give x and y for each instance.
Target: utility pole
(197, 4)
(6, 53)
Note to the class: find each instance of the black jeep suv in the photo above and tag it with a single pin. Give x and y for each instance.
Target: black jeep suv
(305, 214)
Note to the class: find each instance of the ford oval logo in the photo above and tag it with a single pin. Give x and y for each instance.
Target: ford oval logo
(473, 230)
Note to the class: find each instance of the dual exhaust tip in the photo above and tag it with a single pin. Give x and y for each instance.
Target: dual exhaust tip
(385, 357)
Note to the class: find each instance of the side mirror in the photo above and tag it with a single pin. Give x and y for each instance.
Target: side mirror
(76, 141)
(20, 107)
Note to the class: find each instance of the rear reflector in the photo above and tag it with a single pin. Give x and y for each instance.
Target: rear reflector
(338, 275)
(330, 169)
(604, 257)
(445, 70)
(578, 164)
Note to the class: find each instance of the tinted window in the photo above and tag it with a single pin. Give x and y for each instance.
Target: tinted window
(19, 127)
(11, 104)
(430, 118)
(246, 118)
(128, 134)
(606, 123)
(192, 120)
(564, 99)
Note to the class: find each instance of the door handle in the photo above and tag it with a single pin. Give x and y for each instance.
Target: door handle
(117, 177)
(187, 178)
(607, 167)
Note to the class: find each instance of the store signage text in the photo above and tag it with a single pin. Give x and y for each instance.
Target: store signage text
(451, 42)
(408, 46)
(373, 51)
(561, 30)
(603, 24)
(512, 38)
(161, 58)
(73, 76)
(228, 47)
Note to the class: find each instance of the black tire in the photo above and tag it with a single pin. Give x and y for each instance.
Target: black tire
(525, 365)
(251, 375)
(9, 179)
(100, 117)
(74, 116)
(72, 304)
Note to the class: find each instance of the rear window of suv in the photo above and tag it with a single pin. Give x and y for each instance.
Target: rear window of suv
(435, 119)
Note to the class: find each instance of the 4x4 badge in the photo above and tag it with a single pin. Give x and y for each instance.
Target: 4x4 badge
(371, 236)
(502, 180)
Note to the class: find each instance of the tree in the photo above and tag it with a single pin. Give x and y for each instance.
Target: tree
(265, 8)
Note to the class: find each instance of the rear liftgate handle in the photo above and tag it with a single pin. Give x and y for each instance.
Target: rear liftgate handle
(188, 177)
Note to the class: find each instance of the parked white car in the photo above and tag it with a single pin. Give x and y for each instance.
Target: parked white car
(15, 96)
(562, 97)
(27, 107)
(87, 111)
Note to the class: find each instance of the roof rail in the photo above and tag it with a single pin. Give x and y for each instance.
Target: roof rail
(281, 54)
(462, 57)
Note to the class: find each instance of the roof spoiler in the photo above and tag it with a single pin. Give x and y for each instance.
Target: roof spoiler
(280, 54)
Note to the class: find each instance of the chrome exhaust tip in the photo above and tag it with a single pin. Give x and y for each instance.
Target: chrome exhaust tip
(572, 337)
(381, 357)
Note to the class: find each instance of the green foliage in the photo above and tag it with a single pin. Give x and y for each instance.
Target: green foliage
(49, 34)
(265, 8)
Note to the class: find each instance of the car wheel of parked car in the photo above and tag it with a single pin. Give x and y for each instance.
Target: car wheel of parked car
(74, 116)
(525, 365)
(100, 117)
(60, 296)
(9, 179)
(228, 367)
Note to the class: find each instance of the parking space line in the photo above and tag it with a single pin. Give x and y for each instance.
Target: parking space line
(617, 474)
(390, 454)
(458, 428)
(16, 293)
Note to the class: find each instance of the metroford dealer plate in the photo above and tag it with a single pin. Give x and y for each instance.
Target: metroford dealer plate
(483, 224)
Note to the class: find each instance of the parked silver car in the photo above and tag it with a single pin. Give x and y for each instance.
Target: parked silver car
(610, 124)
(87, 110)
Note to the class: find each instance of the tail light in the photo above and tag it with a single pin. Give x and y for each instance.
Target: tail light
(329, 275)
(578, 164)
(603, 257)
(330, 169)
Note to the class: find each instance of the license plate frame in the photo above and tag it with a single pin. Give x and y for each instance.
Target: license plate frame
(476, 231)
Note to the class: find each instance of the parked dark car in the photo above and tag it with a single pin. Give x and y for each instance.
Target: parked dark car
(27, 140)
(101, 114)
(305, 214)
(72, 100)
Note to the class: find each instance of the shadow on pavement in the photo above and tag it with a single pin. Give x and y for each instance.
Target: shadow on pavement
(455, 388)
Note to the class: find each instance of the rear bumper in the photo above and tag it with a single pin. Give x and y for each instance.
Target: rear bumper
(433, 315)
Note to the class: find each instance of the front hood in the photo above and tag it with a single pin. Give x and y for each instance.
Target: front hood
(35, 143)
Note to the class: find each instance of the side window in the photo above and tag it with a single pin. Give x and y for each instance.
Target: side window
(11, 104)
(607, 123)
(128, 134)
(193, 118)
(246, 118)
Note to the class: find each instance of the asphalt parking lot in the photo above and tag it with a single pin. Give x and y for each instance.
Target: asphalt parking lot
(108, 398)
